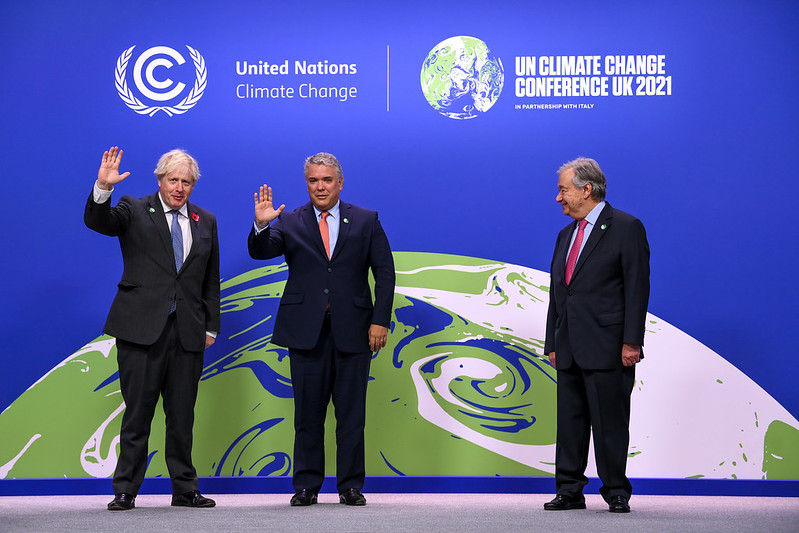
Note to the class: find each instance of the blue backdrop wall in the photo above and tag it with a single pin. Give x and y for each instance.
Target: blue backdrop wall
(693, 132)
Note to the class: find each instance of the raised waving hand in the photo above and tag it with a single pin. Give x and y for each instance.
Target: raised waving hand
(265, 211)
(109, 175)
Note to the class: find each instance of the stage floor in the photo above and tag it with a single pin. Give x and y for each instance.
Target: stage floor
(401, 512)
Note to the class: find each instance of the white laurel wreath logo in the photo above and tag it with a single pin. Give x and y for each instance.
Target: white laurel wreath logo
(178, 109)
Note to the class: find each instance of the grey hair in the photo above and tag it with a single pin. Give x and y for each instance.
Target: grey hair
(586, 170)
(323, 158)
(175, 159)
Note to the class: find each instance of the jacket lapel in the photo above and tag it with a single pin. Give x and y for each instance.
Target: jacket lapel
(345, 219)
(603, 222)
(194, 224)
(562, 251)
(312, 225)
(156, 212)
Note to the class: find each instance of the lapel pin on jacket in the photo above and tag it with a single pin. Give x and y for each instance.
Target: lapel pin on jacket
(604, 226)
(195, 217)
(346, 221)
(152, 210)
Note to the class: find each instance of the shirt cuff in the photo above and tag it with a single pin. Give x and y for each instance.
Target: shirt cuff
(259, 229)
(101, 195)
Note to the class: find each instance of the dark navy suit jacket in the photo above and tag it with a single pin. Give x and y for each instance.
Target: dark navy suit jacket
(341, 281)
(605, 304)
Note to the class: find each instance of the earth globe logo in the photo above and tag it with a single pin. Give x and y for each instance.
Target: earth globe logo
(461, 79)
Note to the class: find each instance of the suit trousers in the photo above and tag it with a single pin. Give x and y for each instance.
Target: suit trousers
(145, 373)
(317, 375)
(598, 402)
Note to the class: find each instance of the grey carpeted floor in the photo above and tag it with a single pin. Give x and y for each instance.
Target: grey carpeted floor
(401, 512)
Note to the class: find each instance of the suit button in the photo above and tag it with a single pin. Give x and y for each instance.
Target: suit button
(326, 291)
(329, 269)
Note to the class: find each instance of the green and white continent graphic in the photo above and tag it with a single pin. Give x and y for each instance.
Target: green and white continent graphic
(461, 389)
(461, 78)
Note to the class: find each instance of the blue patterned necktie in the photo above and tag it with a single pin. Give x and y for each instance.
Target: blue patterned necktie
(177, 248)
(177, 239)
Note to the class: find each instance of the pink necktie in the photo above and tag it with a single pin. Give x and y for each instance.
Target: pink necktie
(323, 229)
(575, 251)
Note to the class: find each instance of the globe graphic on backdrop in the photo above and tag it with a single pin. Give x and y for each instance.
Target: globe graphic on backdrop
(461, 79)
(461, 389)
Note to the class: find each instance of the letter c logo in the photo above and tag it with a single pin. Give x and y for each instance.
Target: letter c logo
(149, 73)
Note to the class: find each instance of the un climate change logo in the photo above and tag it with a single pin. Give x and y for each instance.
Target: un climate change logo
(461, 79)
(153, 84)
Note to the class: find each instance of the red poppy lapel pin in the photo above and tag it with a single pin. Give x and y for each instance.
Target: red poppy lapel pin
(195, 217)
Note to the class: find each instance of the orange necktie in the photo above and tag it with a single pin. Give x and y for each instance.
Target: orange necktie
(324, 230)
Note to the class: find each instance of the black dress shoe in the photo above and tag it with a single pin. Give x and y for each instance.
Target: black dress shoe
(193, 498)
(302, 498)
(618, 504)
(564, 503)
(122, 502)
(351, 497)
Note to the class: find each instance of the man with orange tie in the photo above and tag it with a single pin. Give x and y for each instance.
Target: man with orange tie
(327, 319)
(599, 292)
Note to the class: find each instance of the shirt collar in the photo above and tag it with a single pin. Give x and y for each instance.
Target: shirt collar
(333, 210)
(184, 210)
(592, 217)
